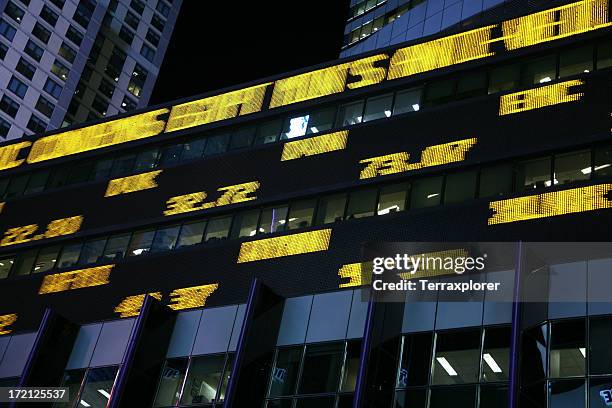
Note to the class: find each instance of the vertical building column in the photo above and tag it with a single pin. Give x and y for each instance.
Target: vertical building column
(513, 386)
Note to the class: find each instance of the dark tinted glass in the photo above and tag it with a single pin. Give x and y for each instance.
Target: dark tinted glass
(600, 357)
(567, 394)
(416, 360)
(71, 379)
(495, 180)
(322, 368)
(496, 354)
(533, 174)
(170, 383)
(567, 348)
(412, 398)
(576, 61)
(572, 166)
(460, 186)
(285, 372)
(533, 358)
(493, 396)
(461, 396)
(331, 209)
(603, 161)
(426, 192)
(540, 71)
(457, 357)
(203, 379)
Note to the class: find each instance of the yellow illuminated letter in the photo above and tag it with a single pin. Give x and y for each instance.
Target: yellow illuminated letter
(237, 194)
(185, 203)
(355, 274)
(17, 235)
(131, 184)
(9, 153)
(539, 97)
(131, 305)
(64, 226)
(366, 71)
(314, 145)
(383, 165)
(6, 321)
(188, 298)
(82, 278)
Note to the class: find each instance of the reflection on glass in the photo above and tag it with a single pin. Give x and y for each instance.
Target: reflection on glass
(567, 394)
(272, 220)
(116, 246)
(351, 366)
(331, 209)
(301, 213)
(169, 389)
(576, 61)
(71, 379)
(495, 180)
(46, 258)
(98, 386)
(392, 199)
(165, 239)
(203, 379)
(600, 352)
(533, 174)
(426, 192)
(141, 242)
(496, 354)
(361, 204)
(102, 169)
(378, 107)
(572, 166)
(415, 360)
(191, 234)
(70, 255)
(567, 348)
(461, 396)
(407, 101)
(504, 78)
(218, 228)
(322, 120)
(460, 186)
(322, 367)
(350, 114)
(457, 357)
(285, 372)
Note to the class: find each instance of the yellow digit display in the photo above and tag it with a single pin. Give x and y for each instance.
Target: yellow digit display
(82, 278)
(354, 273)
(195, 201)
(18, 235)
(131, 305)
(314, 145)
(185, 203)
(287, 245)
(6, 321)
(237, 193)
(215, 108)
(189, 298)
(56, 228)
(575, 200)
(98, 136)
(64, 226)
(539, 97)
(139, 182)
(9, 154)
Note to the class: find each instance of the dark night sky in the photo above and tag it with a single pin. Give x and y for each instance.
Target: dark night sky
(240, 41)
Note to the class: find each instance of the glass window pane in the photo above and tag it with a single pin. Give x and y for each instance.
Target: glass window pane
(165, 238)
(540, 71)
(191, 234)
(116, 246)
(123, 165)
(471, 85)
(317, 402)
(295, 127)
(533, 358)
(565, 394)
(603, 161)
(301, 213)
(268, 132)
(495, 180)
(216, 144)
(534, 396)
(533, 174)
(462, 396)
(47, 257)
(272, 220)
(604, 55)
(378, 107)
(80, 173)
(227, 373)
(567, 349)
(72, 380)
(331, 209)
(496, 354)
(245, 224)
(504, 78)
(16, 186)
(321, 368)
(140, 243)
(413, 398)
(351, 366)
(572, 166)
(460, 186)
(576, 61)
(218, 228)
(24, 262)
(493, 396)
(37, 182)
(243, 137)
(193, 149)
(102, 169)
(600, 392)
(92, 251)
(322, 120)
(285, 372)
(350, 114)
(169, 389)
(457, 358)
(170, 154)
(392, 199)
(439, 92)
(426, 192)
(361, 204)
(146, 160)
(70, 255)
(98, 386)
(407, 101)
(203, 379)
(600, 356)
(5, 266)
(415, 362)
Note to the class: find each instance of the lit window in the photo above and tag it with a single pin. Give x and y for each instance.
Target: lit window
(295, 127)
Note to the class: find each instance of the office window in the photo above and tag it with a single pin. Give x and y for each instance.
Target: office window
(169, 388)
(33, 50)
(16, 186)
(37, 182)
(603, 161)
(14, 12)
(138, 6)
(351, 368)
(24, 262)
(439, 92)
(102, 169)
(141, 242)
(158, 22)
(533, 174)
(471, 85)
(378, 107)
(60, 70)
(115, 64)
(576, 61)
(350, 114)
(163, 8)
(66, 52)
(6, 30)
(216, 144)
(74, 35)
(415, 360)
(70, 255)
(604, 54)
(152, 37)
(567, 348)
(128, 104)
(36, 125)
(572, 166)
(146, 160)
(361, 204)
(321, 369)
(203, 380)
(9, 106)
(53, 88)
(457, 357)
(191, 234)
(5, 266)
(600, 353)
(426, 192)
(321, 120)
(137, 80)
(126, 35)
(301, 213)
(25, 68)
(392, 199)
(25, 2)
(495, 180)
(3, 51)
(58, 177)
(106, 88)
(72, 379)
(460, 186)
(46, 259)
(123, 165)
(245, 224)
(273, 219)
(81, 172)
(295, 127)
(193, 149)
(100, 105)
(242, 137)
(98, 386)
(462, 396)
(41, 33)
(58, 3)
(407, 101)
(218, 228)
(540, 71)
(17, 87)
(92, 251)
(83, 12)
(112, 5)
(116, 246)
(3, 184)
(132, 20)
(331, 209)
(170, 154)
(268, 132)
(165, 239)
(5, 127)
(49, 15)
(496, 354)
(504, 78)
(285, 372)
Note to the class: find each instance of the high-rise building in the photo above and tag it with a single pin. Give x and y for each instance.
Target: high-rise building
(69, 61)
(218, 251)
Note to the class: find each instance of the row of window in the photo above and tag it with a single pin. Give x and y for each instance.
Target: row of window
(363, 6)
(428, 191)
(88, 387)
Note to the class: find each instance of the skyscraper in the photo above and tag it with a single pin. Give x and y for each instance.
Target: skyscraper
(70, 61)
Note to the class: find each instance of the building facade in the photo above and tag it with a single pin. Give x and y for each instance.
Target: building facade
(214, 252)
(70, 61)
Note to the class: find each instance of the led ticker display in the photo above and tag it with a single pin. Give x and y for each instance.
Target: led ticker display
(56, 228)
(6, 321)
(314, 145)
(354, 273)
(131, 305)
(82, 278)
(539, 97)
(195, 201)
(130, 184)
(287, 245)
(575, 200)
(556, 23)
